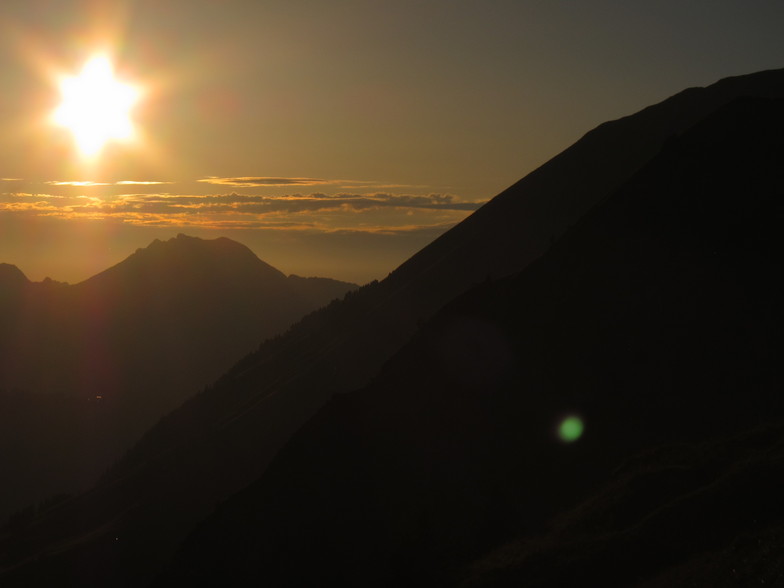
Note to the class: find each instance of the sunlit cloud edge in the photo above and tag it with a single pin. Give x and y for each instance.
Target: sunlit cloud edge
(316, 212)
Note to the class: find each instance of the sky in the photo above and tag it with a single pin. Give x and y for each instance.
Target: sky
(334, 138)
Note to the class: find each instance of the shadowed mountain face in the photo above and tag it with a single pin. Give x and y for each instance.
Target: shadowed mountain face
(223, 439)
(86, 368)
(657, 320)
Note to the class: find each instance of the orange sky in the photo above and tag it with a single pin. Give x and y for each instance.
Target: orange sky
(333, 138)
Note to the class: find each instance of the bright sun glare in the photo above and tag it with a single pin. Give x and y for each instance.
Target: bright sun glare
(96, 107)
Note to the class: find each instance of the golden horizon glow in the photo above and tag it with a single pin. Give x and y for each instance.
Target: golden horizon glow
(96, 107)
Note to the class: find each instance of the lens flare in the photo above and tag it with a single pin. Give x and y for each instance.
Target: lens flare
(570, 429)
(96, 107)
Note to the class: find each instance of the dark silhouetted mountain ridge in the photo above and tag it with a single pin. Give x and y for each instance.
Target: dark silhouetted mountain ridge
(657, 319)
(111, 354)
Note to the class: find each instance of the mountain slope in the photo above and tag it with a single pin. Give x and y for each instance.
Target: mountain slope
(86, 368)
(657, 319)
(204, 302)
(223, 439)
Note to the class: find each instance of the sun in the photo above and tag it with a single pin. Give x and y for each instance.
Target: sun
(96, 107)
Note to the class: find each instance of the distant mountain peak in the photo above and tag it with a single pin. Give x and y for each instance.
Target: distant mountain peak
(221, 255)
(188, 240)
(183, 240)
(10, 275)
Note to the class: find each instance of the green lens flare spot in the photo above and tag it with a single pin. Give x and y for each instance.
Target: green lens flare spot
(570, 429)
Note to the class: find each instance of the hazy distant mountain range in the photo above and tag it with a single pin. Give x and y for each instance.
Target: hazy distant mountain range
(431, 458)
(110, 355)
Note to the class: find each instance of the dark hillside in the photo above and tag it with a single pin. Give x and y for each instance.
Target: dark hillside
(657, 320)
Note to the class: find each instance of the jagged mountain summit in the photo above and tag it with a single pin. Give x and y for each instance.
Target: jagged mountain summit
(223, 439)
(120, 349)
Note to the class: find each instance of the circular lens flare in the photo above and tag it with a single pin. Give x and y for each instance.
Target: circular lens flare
(570, 429)
(96, 107)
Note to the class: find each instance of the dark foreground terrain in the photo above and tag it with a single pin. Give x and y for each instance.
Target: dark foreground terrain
(657, 319)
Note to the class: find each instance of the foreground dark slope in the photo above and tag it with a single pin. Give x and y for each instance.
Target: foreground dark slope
(658, 319)
(223, 439)
(693, 514)
(85, 369)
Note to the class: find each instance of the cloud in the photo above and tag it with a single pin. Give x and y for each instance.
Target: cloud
(375, 212)
(267, 181)
(371, 201)
(397, 230)
(37, 204)
(292, 203)
(88, 184)
(139, 183)
(11, 180)
(79, 184)
(248, 181)
(20, 196)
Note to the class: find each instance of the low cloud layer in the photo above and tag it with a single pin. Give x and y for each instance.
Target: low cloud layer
(77, 184)
(139, 183)
(369, 212)
(83, 184)
(249, 182)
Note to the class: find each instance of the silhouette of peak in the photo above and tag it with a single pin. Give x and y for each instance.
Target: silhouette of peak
(196, 245)
(185, 255)
(10, 276)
